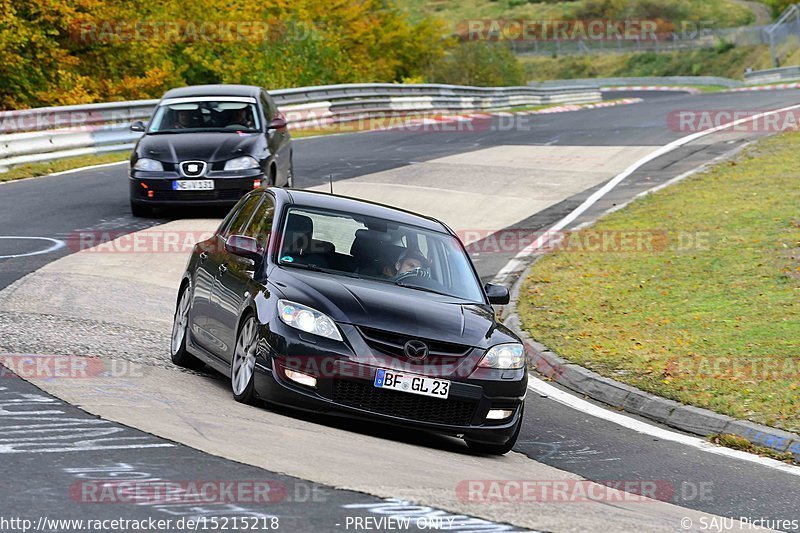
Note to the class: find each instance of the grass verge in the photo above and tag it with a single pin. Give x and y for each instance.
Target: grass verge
(701, 303)
(33, 170)
(740, 443)
(725, 61)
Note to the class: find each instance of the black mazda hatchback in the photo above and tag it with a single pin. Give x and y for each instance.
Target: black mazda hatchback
(337, 305)
(209, 145)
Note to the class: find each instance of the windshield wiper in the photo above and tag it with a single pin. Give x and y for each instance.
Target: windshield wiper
(315, 268)
(201, 130)
(400, 283)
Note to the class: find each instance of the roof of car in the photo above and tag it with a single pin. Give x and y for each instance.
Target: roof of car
(213, 90)
(363, 207)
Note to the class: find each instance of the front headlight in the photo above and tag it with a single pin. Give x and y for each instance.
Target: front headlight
(504, 357)
(148, 164)
(241, 163)
(307, 319)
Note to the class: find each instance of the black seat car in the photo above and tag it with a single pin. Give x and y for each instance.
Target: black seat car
(332, 304)
(209, 145)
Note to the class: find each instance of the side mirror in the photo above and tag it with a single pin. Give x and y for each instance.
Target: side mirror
(498, 294)
(278, 123)
(137, 126)
(246, 247)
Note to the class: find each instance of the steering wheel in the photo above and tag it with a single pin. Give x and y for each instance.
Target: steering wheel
(418, 272)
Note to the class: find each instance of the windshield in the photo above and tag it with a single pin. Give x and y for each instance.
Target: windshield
(379, 250)
(205, 115)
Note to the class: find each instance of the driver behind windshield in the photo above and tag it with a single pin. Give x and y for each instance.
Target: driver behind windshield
(243, 117)
(183, 119)
(411, 262)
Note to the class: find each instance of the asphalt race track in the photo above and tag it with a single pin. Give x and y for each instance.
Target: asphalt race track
(508, 172)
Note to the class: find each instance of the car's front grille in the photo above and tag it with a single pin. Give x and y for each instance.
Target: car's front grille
(401, 404)
(393, 343)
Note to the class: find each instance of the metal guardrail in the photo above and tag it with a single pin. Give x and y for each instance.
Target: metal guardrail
(772, 75)
(647, 80)
(49, 133)
(786, 27)
(755, 77)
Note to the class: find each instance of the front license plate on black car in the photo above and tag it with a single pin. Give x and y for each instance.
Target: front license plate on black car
(391, 379)
(193, 185)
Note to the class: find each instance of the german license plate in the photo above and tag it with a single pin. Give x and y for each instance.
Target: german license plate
(193, 185)
(413, 384)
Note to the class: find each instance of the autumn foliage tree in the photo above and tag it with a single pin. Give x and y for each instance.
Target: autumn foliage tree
(58, 52)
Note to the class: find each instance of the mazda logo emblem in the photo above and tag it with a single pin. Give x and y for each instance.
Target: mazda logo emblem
(415, 350)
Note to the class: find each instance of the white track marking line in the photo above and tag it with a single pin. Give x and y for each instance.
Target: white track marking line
(579, 404)
(90, 167)
(56, 245)
(61, 173)
(545, 389)
(517, 262)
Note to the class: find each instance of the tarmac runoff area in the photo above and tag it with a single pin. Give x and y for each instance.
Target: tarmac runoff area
(116, 302)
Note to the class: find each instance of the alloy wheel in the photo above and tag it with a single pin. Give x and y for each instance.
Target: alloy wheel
(244, 357)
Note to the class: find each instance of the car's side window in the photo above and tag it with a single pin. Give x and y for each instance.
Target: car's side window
(269, 107)
(226, 222)
(241, 219)
(261, 225)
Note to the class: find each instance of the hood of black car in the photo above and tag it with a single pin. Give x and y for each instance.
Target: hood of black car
(211, 147)
(385, 306)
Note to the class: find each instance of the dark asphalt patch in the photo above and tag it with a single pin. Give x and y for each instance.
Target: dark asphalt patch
(72, 466)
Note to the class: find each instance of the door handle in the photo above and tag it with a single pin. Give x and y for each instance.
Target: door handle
(223, 268)
(203, 256)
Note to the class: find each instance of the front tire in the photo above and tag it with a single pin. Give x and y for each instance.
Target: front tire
(498, 449)
(290, 175)
(244, 362)
(180, 328)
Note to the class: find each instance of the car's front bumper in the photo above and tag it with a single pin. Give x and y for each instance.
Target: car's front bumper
(156, 188)
(345, 387)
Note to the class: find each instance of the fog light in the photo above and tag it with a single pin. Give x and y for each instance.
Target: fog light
(499, 414)
(302, 379)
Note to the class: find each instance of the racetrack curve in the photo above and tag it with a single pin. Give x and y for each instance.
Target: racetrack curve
(525, 173)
